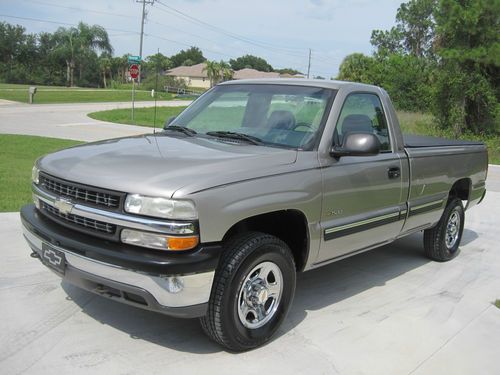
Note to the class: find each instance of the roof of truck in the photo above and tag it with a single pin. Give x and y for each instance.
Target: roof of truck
(336, 85)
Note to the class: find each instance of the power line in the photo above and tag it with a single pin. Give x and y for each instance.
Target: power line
(80, 9)
(217, 29)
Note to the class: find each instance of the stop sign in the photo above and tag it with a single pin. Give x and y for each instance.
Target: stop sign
(134, 71)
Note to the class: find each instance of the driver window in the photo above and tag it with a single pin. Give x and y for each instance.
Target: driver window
(363, 113)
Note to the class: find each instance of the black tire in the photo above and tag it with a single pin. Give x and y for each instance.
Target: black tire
(435, 243)
(242, 254)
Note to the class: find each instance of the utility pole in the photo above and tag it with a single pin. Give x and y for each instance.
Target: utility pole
(309, 64)
(144, 2)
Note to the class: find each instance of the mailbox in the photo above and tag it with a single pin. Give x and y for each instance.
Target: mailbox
(32, 92)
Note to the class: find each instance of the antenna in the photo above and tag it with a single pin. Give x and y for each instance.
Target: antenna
(156, 94)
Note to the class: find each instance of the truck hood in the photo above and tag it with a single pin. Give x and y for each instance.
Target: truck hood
(160, 165)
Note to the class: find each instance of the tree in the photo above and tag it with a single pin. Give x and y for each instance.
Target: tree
(213, 70)
(105, 67)
(226, 72)
(413, 33)
(250, 61)
(290, 71)
(357, 68)
(192, 54)
(467, 89)
(76, 44)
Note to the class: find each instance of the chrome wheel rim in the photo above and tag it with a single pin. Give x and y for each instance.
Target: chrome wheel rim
(452, 229)
(260, 295)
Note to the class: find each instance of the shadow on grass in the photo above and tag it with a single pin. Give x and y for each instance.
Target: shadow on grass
(316, 290)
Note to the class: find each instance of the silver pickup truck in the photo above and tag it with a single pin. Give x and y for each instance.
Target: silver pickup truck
(213, 216)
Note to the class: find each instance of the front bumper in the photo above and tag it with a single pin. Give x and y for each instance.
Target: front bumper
(158, 282)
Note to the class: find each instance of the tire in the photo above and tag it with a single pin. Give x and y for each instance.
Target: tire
(232, 320)
(441, 242)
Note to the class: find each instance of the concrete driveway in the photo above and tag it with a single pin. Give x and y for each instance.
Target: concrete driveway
(388, 311)
(70, 121)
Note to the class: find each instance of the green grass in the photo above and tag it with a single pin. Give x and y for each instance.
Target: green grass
(17, 156)
(142, 116)
(424, 124)
(58, 94)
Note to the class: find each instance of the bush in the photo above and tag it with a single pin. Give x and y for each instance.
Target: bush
(149, 83)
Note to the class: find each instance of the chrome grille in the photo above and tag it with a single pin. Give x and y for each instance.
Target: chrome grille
(80, 193)
(91, 224)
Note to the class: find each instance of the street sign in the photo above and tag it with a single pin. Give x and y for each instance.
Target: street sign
(134, 60)
(134, 71)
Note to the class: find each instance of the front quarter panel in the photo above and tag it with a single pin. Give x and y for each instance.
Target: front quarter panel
(297, 188)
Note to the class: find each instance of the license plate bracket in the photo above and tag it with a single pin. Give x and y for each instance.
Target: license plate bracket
(53, 258)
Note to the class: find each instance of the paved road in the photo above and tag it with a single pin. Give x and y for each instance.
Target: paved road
(70, 121)
(388, 311)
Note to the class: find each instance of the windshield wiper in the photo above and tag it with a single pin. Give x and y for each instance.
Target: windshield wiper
(181, 129)
(233, 135)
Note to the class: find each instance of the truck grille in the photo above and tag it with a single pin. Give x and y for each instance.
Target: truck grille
(80, 193)
(84, 222)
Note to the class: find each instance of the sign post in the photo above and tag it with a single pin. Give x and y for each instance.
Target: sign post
(134, 71)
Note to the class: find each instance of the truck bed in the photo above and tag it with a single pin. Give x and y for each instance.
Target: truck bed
(419, 141)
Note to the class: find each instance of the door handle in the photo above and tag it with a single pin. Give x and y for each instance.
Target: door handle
(394, 172)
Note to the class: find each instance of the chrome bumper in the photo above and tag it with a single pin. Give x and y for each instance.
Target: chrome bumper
(170, 291)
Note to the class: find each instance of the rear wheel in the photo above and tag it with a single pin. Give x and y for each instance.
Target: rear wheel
(252, 291)
(442, 241)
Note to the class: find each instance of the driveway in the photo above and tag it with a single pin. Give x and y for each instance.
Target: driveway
(70, 121)
(387, 311)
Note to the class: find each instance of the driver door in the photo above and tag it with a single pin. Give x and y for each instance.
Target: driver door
(363, 204)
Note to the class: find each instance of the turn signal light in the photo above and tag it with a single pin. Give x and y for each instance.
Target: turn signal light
(182, 243)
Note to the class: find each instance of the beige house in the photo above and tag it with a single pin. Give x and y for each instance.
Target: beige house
(195, 76)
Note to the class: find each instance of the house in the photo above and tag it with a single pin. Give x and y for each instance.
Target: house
(195, 75)
(248, 73)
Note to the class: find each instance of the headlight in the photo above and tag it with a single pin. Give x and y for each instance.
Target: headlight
(35, 174)
(160, 207)
(158, 241)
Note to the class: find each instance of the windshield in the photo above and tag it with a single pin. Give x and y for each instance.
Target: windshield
(280, 115)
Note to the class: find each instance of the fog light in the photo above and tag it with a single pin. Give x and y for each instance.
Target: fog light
(174, 284)
(36, 201)
(158, 241)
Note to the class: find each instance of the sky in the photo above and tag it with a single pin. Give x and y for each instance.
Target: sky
(281, 31)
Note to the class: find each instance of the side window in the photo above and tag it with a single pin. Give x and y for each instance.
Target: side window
(363, 113)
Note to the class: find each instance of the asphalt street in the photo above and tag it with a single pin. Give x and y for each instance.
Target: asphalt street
(387, 311)
(70, 121)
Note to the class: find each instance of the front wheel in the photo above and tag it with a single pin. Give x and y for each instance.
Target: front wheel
(441, 242)
(252, 292)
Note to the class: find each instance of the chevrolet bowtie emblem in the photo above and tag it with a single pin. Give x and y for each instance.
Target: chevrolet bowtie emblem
(63, 205)
(52, 257)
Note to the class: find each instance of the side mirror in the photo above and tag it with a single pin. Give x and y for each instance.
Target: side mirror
(357, 144)
(169, 121)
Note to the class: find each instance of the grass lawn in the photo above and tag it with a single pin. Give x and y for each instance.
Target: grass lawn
(17, 156)
(142, 116)
(57, 94)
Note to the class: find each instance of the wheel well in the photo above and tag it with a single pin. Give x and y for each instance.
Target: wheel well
(288, 225)
(461, 189)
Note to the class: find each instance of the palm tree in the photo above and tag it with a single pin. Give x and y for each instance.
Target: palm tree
(213, 72)
(105, 66)
(76, 42)
(225, 71)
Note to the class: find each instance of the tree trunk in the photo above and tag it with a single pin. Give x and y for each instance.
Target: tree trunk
(68, 73)
(72, 73)
(104, 78)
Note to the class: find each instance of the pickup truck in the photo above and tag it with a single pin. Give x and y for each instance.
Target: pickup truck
(213, 216)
